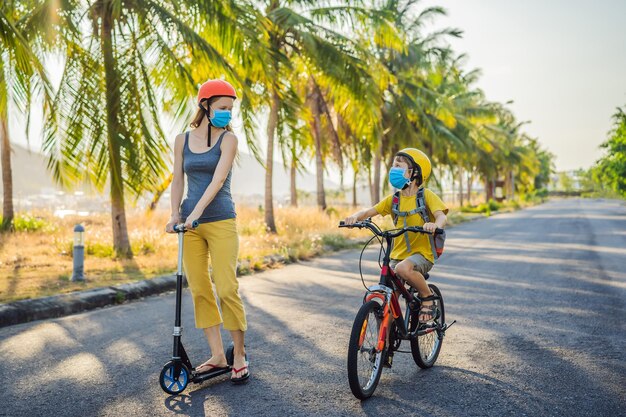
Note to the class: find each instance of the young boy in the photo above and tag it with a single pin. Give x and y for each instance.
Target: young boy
(412, 254)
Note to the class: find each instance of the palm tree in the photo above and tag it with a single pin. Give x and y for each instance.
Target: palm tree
(21, 75)
(340, 110)
(417, 112)
(114, 79)
(294, 139)
(296, 31)
(314, 101)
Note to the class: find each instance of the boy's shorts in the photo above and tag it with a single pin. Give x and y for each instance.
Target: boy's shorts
(420, 264)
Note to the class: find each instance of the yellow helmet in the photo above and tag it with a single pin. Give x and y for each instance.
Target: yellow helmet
(420, 161)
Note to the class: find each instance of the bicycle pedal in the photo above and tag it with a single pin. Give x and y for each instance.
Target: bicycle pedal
(447, 326)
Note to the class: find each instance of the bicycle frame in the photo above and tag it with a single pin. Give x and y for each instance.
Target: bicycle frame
(381, 321)
(387, 290)
(384, 291)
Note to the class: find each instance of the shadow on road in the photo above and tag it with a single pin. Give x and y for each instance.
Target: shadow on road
(538, 297)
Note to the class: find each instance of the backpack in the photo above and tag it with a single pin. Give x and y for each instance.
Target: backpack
(436, 241)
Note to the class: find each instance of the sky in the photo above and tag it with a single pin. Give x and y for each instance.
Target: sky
(561, 62)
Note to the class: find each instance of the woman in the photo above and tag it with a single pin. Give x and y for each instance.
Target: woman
(205, 154)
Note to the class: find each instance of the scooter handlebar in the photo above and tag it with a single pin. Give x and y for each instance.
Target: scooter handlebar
(180, 228)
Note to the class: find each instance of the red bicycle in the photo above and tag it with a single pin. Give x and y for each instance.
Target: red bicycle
(380, 326)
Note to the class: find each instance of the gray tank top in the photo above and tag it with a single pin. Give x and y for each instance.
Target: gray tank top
(199, 169)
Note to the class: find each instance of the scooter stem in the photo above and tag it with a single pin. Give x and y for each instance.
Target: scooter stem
(180, 253)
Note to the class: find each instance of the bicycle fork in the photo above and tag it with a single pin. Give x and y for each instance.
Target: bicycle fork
(391, 311)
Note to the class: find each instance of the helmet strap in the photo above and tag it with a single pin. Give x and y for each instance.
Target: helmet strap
(208, 117)
(417, 174)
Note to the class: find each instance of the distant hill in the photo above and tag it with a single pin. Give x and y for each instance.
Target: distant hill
(249, 178)
(31, 177)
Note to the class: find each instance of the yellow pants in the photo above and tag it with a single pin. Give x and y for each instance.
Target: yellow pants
(219, 241)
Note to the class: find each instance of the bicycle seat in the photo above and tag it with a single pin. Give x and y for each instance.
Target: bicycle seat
(426, 275)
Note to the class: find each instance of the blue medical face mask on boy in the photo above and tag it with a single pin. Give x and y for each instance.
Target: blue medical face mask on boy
(221, 118)
(397, 179)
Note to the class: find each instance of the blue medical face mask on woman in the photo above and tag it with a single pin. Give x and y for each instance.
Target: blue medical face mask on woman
(397, 179)
(221, 118)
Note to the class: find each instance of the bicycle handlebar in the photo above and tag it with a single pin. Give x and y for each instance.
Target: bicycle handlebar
(180, 228)
(376, 230)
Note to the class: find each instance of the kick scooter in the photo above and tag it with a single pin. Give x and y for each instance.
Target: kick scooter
(178, 372)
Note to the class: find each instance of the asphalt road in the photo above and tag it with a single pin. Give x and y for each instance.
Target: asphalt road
(538, 294)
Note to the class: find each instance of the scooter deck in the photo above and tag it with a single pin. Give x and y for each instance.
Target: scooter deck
(200, 377)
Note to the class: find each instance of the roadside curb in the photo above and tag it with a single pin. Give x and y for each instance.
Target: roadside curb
(60, 305)
(55, 306)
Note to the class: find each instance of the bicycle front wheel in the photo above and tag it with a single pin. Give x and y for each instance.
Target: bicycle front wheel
(364, 360)
(425, 348)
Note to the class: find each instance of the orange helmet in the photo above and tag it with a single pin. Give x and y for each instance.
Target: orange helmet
(216, 88)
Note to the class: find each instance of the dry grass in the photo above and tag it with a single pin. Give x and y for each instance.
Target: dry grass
(39, 263)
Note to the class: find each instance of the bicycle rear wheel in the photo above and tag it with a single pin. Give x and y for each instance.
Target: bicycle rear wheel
(425, 348)
(364, 361)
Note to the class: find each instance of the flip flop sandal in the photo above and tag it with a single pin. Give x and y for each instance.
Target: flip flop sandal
(242, 379)
(211, 367)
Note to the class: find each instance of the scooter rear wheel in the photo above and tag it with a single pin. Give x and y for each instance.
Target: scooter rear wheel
(171, 383)
(230, 354)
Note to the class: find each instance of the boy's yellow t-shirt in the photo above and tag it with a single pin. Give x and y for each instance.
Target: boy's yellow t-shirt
(420, 243)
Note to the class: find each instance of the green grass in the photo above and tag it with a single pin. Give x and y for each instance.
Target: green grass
(28, 223)
(485, 208)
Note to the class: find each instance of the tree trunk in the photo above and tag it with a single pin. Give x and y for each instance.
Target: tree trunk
(319, 168)
(314, 105)
(356, 174)
(121, 243)
(470, 179)
(488, 189)
(384, 179)
(453, 186)
(269, 163)
(506, 188)
(7, 176)
(371, 186)
(460, 186)
(376, 182)
(294, 191)
(512, 185)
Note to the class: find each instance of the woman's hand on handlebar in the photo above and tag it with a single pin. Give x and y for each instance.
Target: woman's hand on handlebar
(191, 220)
(174, 220)
(430, 227)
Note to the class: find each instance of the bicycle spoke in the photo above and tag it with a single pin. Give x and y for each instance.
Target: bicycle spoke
(425, 348)
(367, 357)
(366, 364)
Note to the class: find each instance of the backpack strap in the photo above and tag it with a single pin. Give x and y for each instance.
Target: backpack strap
(395, 203)
(395, 211)
(420, 204)
(421, 208)
(423, 211)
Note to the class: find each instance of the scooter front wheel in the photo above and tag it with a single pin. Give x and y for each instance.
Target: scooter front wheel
(174, 377)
